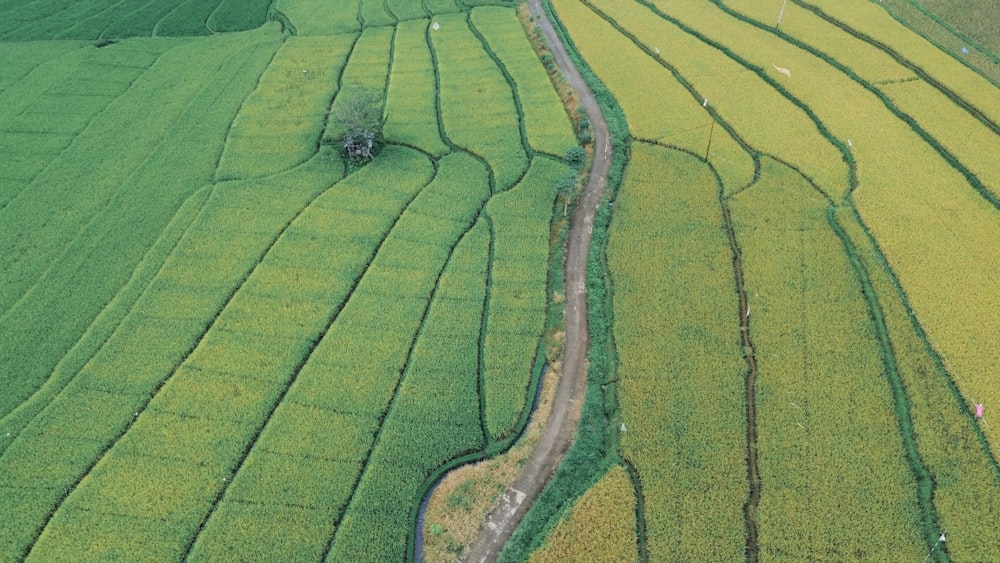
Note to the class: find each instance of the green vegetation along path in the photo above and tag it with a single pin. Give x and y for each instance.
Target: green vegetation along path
(558, 433)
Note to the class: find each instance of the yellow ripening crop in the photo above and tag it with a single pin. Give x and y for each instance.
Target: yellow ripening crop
(872, 19)
(679, 361)
(835, 479)
(600, 527)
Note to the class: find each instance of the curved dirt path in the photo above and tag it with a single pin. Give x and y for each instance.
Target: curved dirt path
(558, 433)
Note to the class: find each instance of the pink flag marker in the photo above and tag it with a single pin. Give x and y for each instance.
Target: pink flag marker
(979, 410)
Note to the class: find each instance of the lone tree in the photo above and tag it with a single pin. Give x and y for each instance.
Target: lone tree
(358, 121)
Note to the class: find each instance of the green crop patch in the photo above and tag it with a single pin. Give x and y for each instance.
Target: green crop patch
(411, 98)
(477, 106)
(237, 521)
(314, 17)
(93, 19)
(548, 127)
(404, 10)
(280, 124)
(520, 221)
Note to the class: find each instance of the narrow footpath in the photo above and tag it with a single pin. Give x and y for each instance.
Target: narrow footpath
(558, 433)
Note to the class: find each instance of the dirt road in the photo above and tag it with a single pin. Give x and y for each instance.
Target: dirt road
(558, 433)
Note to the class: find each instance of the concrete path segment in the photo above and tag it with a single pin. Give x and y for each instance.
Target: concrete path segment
(558, 433)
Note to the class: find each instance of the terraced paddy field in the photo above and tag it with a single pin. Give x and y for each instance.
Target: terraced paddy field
(796, 352)
(218, 340)
(221, 341)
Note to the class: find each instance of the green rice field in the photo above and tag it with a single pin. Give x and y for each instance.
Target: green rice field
(222, 339)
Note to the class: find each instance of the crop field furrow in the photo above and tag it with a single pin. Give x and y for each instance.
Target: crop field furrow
(411, 97)
(618, 60)
(516, 307)
(476, 104)
(680, 367)
(373, 334)
(821, 391)
(547, 127)
(768, 120)
(250, 342)
(142, 217)
(280, 124)
(407, 10)
(106, 322)
(188, 18)
(874, 22)
(910, 197)
(433, 418)
(314, 17)
(367, 71)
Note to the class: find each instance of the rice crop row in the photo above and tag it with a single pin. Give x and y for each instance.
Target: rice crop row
(873, 21)
(516, 311)
(680, 366)
(766, 119)
(44, 21)
(236, 15)
(547, 126)
(241, 367)
(375, 14)
(600, 527)
(949, 279)
(434, 417)
(41, 104)
(280, 124)
(93, 19)
(22, 59)
(953, 121)
(236, 228)
(966, 484)
(836, 483)
(352, 378)
(46, 262)
(188, 18)
(442, 6)
(314, 17)
(959, 28)
(131, 224)
(411, 99)
(617, 60)
(476, 104)
(406, 10)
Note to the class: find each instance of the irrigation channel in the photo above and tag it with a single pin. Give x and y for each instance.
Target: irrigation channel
(558, 432)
